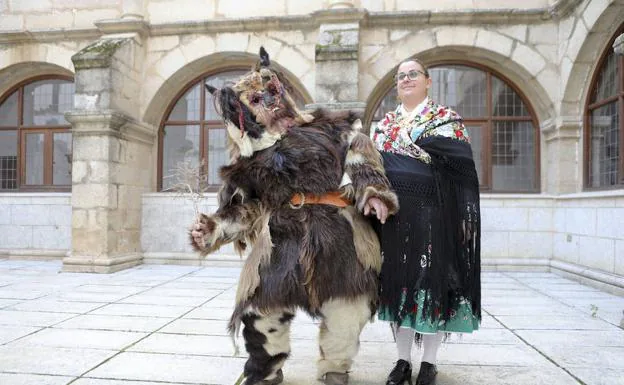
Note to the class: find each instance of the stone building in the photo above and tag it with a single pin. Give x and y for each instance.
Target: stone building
(100, 101)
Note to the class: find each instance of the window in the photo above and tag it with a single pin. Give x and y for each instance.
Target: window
(35, 138)
(604, 132)
(503, 130)
(193, 134)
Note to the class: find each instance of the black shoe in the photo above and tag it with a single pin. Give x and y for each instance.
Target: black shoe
(402, 372)
(426, 374)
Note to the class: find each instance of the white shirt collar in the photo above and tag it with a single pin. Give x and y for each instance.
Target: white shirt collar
(416, 111)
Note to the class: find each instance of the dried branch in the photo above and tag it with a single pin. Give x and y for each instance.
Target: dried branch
(191, 182)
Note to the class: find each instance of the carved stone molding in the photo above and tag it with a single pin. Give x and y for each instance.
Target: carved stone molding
(134, 22)
(110, 123)
(618, 45)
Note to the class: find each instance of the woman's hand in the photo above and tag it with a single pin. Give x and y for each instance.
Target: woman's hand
(376, 206)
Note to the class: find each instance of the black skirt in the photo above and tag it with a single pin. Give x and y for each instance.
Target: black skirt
(433, 242)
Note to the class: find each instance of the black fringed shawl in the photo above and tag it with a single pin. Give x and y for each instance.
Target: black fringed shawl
(433, 243)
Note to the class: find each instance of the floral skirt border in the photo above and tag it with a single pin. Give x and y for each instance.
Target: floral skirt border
(461, 319)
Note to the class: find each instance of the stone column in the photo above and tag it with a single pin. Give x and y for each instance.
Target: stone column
(132, 9)
(337, 54)
(112, 157)
(338, 4)
(563, 170)
(618, 45)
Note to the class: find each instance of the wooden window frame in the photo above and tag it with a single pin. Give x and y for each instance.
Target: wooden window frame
(48, 131)
(590, 107)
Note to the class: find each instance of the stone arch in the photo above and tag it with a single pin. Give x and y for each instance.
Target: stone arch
(160, 95)
(587, 36)
(17, 73)
(529, 84)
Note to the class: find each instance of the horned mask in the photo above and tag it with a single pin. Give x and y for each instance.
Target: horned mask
(258, 110)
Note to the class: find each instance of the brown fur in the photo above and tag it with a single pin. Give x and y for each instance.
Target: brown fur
(299, 257)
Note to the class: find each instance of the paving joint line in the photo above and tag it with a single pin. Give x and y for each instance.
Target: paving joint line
(83, 375)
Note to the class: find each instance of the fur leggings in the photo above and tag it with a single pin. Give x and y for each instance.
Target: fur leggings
(267, 338)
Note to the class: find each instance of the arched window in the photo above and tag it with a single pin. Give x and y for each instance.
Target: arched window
(193, 133)
(503, 129)
(604, 132)
(35, 138)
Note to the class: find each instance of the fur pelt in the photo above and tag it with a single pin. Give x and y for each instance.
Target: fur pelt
(300, 257)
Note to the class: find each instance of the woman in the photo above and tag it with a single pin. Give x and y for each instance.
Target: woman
(430, 277)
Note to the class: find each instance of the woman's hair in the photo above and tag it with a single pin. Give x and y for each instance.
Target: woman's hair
(415, 60)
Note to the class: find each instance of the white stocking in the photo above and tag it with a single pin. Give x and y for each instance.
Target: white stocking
(431, 343)
(404, 339)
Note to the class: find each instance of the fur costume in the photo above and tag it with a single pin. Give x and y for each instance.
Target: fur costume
(294, 192)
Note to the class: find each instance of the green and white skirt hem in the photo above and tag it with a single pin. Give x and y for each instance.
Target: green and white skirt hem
(461, 319)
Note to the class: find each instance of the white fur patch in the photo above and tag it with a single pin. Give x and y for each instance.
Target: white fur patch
(343, 320)
(278, 341)
(242, 142)
(354, 158)
(225, 229)
(346, 180)
(246, 145)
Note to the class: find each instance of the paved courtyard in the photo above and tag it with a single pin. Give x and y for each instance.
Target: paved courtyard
(157, 324)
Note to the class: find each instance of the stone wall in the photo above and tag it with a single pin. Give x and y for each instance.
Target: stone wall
(165, 221)
(583, 229)
(45, 14)
(35, 224)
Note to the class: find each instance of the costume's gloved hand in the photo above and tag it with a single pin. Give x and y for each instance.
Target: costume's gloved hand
(201, 231)
(376, 206)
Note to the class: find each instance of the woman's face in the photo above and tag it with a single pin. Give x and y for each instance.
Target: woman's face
(410, 88)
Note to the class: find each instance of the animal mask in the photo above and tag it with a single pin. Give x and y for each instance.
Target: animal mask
(258, 110)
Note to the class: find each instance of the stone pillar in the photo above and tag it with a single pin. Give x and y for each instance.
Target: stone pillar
(563, 172)
(112, 157)
(338, 4)
(618, 45)
(132, 9)
(337, 53)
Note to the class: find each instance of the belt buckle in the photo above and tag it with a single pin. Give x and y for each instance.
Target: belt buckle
(300, 205)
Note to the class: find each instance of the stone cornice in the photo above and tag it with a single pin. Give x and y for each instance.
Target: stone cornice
(115, 26)
(109, 123)
(560, 9)
(48, 35)
(564, 127)
(98, 54)
(252, 24)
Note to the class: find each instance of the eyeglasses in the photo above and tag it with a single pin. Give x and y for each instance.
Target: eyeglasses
(412, 75)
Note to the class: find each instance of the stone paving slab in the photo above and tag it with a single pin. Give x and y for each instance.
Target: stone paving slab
(196, 326)
(171, 368)
(80, 339)
(17, 358)
(96, 381)
(53, 305)
(157, 324)
(598, 376)
(32, 379)
(11, 333)
(111, 322)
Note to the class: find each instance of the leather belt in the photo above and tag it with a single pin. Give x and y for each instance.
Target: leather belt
(332, 198)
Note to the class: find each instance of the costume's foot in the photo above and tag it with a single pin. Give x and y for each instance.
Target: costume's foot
(279, 377)
(333, 378)
(401, 373)
(426, 374)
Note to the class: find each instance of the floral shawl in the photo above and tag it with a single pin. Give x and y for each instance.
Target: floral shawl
(397, 133)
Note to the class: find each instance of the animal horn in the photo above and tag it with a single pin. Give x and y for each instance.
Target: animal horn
(210, 88)
(264, 58)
